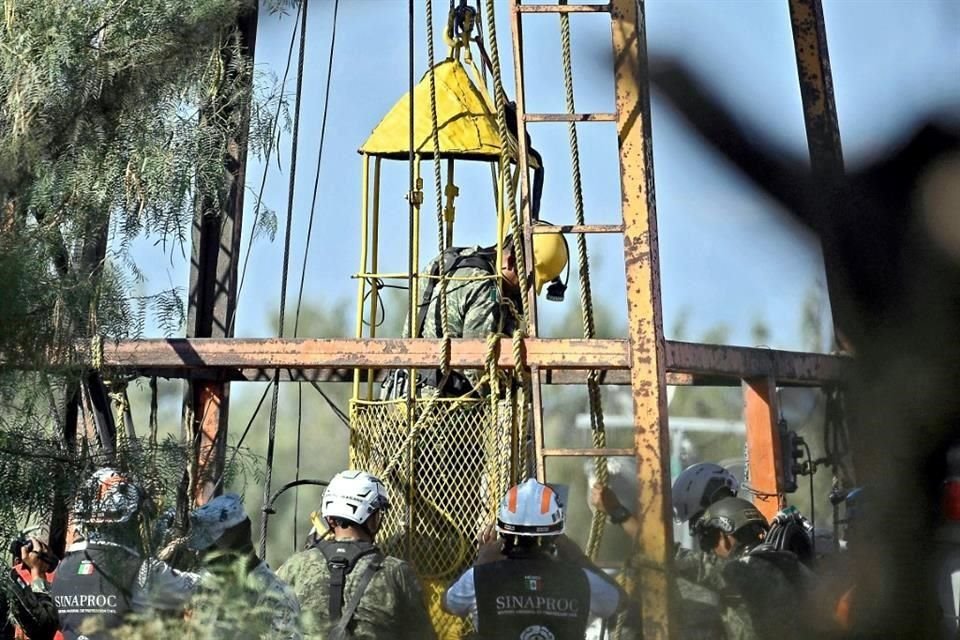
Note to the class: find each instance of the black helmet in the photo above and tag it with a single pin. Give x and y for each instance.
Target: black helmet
(730, 515)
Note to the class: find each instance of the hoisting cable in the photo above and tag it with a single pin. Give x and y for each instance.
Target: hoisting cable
(586, 295)
(243, 436)
(411, 267)
(438, 189)
(516, 225)
(504, 131)
(275, 399)
(303, 266)
(266, 164)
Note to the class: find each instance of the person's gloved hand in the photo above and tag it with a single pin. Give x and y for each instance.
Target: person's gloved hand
(602, 498)
(178, 555)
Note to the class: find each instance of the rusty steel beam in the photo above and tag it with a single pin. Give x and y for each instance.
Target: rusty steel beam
(577, 228)
(819, 114)
(212, 300)
(687, 363)
(760, 413)
(526, 220)
(654, 542)
(568, 377)
(788, 368)
(570, 117)
(816, 87)
(367, 353)
(623, 452)
(564, 8)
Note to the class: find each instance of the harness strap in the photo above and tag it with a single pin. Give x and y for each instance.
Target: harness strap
(451, 259)
(338, 576)
(341, 559)
(339, 630)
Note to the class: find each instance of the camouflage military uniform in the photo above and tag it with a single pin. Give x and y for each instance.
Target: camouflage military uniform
(278, 596)
(475, 308)
(774, 590)
(701, 613)
(699, 567)
(241, 604)
(392, 605)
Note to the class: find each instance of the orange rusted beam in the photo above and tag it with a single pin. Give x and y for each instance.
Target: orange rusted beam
(654, 542)
(378, 353)
(212, 301)
(819, 115)
(329, 359)
(763, 444)
(816, 86)
(786, 367)
(212, 445)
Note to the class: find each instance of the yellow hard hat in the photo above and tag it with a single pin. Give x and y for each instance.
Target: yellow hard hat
(550, 257)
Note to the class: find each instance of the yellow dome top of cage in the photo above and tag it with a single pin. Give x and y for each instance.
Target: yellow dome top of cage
(466, 120)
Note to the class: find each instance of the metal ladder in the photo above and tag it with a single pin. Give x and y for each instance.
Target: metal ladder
(517, 12)
(641, 262)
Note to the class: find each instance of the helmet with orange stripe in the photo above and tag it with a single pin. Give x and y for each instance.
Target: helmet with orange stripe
(530, 509)
(108, 498)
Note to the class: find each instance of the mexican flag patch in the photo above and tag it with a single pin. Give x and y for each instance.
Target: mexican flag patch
(86, 568)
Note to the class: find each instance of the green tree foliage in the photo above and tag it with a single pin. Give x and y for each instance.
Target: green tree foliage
(100, 131)
(115, 116)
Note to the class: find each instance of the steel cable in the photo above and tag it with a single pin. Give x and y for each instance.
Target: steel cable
(275, 399)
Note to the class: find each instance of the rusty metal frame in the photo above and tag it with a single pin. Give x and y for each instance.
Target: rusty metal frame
(212, 301)
(332, 358)
(819, 114)
(646, 360)
(760, 415)
(654, 542)
(526, 217)
(816, 86)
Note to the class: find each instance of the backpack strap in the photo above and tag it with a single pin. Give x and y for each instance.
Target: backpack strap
(339, 631)
(341, 558)
(451, 259)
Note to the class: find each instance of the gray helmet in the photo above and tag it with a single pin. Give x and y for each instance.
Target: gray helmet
(730, 515)
(697, 487)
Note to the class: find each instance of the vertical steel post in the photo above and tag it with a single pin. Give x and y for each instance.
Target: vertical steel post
(763, 444)
(526, 219)
(213, 289)
(819, 113)
(642, 264)
(816, 86)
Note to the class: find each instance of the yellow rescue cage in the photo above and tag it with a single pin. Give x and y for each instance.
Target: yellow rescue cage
(446, 461)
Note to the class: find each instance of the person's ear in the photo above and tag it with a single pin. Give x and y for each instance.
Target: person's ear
(373, 523)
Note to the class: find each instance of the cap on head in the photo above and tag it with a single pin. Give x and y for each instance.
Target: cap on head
(209, 522)
(530, 509)
(354, 496)
(698, 486)
(107, 498)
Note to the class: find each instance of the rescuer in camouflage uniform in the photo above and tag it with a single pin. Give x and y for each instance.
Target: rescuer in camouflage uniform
(220, 530)
(765, 592)
(696, 488)
(346, 586)
(478, 302)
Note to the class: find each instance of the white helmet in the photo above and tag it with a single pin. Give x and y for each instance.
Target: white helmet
(697, 487)
(530, 509)
(354, 496)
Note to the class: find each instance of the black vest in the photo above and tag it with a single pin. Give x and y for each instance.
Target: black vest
(94, 582)
(533, 598)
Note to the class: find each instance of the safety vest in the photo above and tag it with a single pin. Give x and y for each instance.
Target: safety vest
(97, 581)
(531, 598)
